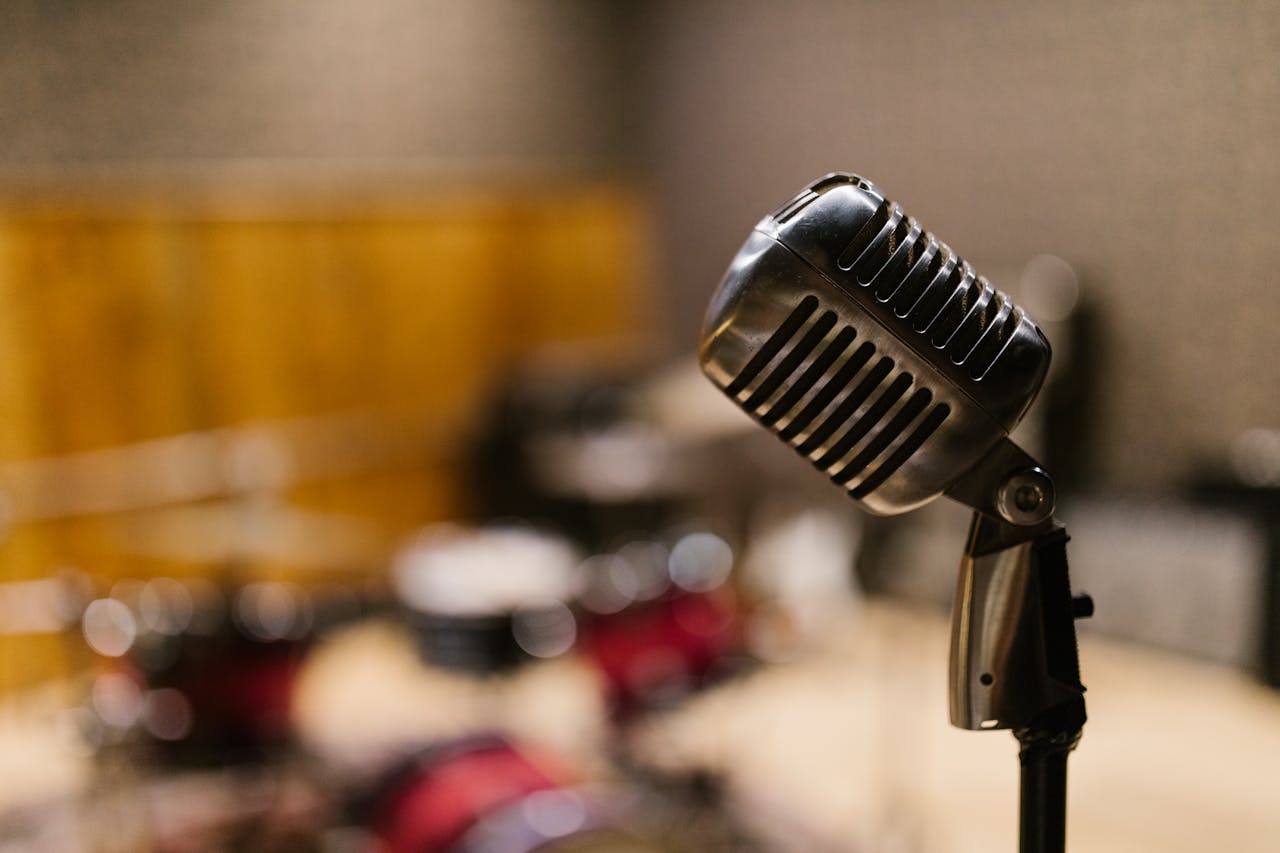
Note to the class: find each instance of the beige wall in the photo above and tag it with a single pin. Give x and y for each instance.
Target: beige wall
(476, 84)
(1137, 140)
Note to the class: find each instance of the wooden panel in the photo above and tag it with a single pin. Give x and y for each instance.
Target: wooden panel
(18, 415)
(582, 266)
(436, 336)
(102, 304)
(127, 320)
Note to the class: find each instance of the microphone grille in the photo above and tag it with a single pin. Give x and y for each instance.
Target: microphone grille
(819, 361)
(929, 290)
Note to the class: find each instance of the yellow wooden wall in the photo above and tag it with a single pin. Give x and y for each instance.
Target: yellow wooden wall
(129, 319)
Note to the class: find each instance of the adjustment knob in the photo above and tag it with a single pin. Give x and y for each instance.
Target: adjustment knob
(1081, 606)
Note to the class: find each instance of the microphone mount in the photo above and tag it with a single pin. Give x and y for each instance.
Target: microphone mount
(1014, 662)
(1008, 484)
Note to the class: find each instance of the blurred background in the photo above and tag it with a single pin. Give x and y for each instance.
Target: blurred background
(359, 491)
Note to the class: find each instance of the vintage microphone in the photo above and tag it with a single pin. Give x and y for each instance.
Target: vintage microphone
(877, 353)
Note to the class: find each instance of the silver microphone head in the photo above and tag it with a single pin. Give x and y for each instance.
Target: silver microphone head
(869, 346)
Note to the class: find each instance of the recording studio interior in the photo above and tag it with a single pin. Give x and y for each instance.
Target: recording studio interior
(390, 404)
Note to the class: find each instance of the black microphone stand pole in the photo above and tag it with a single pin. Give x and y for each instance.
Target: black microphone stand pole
(1042, 802)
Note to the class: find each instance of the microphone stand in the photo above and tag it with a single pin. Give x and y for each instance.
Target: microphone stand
(1042, 800)
(1014, 661)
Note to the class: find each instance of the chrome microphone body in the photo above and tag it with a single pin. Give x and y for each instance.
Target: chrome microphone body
(869, 346)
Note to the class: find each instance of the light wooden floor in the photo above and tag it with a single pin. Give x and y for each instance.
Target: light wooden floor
(851, 750)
